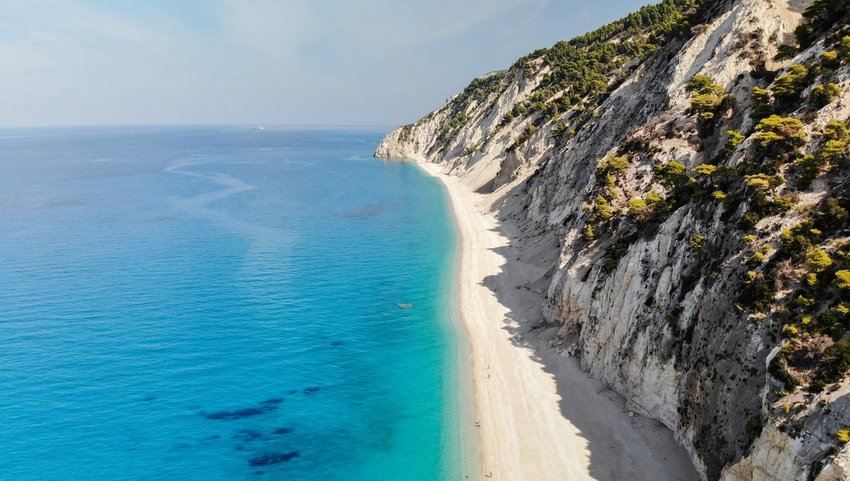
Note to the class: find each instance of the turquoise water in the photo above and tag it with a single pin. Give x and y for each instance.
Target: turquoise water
(222, 304)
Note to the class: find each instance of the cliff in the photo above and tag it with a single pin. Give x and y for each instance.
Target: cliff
(678, 181)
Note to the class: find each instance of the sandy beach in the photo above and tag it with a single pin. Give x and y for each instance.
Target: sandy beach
(538, 416)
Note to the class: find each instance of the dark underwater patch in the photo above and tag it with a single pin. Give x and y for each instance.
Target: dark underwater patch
(312, 389)
(269, 459)
(284, 430)
(272, 403)
(262, 408)
(238, 414)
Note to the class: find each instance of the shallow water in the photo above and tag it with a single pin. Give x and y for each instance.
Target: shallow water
(222, 304)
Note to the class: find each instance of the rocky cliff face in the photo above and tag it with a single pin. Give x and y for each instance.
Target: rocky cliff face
(688, 223)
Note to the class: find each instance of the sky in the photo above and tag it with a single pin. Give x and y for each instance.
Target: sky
(284, 62)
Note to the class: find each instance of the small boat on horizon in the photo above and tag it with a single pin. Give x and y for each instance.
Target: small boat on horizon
(259, 127)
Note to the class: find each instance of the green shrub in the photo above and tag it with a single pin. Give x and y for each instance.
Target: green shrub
(698, 241)
(617, 250)
(783, 134)
(707, 97)
(809, 167)
(829, 59)
(785, 51)
(842, 435)
(836, 362)
(763, 100)
(755, 292)
(832, 151)
(705, 169)
(749, 220)
(672, 173)
(653, 198)
(835, 130)
(821, 15)
(703, 84)
(724, 175)
(824, 94)
(618, 164)
(831, 214)
(842, 279)
(523, 137)
(787, 88)
(638, 207)
(818, 260)
(782, 204)
(801, 302)
(718, 195)
(763, 182)
(762, 96)
(602, 208)
(705, 105)
(757, 258)
(733, 140)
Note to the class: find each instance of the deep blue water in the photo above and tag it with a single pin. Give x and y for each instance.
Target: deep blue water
(222, 304)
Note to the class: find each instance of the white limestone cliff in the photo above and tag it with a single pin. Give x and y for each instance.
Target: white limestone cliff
(660, 327)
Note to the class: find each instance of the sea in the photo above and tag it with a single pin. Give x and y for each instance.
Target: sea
(224, 303)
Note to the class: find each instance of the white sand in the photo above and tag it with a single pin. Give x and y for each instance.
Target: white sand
(539, 417)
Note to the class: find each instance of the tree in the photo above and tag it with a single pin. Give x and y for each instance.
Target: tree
(787, 88)
(761, 96)
(705, 169)
(829, 59)
(842, 279)
(832, 151)
(781, 134)
(618, 164)
(707, 97)
(703, 84)
(705, 105)
(762, 182)
(823, 94)
(817, 259)
(671, 173)
(603, 208)
(835, 130)
(733, 140)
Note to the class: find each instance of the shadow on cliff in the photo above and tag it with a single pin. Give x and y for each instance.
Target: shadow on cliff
(614, 435)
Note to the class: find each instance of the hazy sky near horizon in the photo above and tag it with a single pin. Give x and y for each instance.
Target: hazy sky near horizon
(296, 62)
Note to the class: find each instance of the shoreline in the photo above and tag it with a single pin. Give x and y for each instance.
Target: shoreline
(537, 415)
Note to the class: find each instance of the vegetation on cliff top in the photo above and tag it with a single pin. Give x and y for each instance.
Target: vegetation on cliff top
(579, 73)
